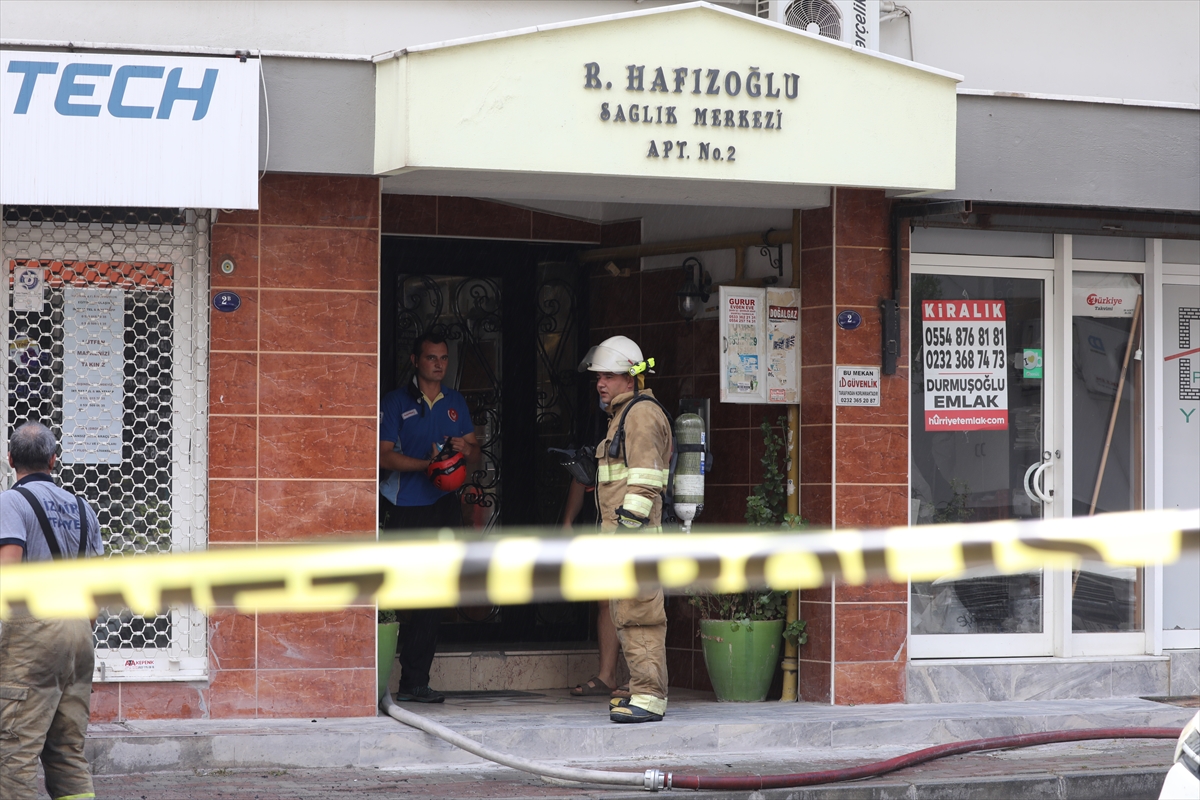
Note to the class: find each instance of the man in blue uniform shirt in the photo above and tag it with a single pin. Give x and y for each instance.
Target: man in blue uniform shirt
(417, 419)
(45, 664)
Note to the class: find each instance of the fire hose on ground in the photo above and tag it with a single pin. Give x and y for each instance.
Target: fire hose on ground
(655, 780)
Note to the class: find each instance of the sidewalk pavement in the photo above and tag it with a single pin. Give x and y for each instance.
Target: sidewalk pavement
(318, 758)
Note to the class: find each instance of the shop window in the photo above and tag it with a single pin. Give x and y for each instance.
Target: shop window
(1107, 407)
(131, 419)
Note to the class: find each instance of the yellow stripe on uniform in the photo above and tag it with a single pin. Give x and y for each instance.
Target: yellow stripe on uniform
(636, 504)
(607, 473)
(522, 567)
(640, 476)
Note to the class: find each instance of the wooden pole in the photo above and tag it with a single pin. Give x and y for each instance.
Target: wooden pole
(791, 654)
(1112, 420)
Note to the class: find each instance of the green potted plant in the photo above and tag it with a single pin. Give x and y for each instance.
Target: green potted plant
(385, 649)
(742, 634)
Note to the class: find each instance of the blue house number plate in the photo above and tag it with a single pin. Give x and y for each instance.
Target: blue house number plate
(849, 320)
(227, 301)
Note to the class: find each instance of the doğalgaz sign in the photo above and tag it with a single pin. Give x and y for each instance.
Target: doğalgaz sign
(690, 92)
(966, 381)
(108, 130)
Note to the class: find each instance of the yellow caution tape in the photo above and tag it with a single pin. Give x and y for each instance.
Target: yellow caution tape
(523, 568)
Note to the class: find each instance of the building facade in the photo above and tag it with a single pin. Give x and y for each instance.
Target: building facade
(530, 177)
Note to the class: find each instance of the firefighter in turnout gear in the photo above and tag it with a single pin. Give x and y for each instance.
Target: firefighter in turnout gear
(633, 463)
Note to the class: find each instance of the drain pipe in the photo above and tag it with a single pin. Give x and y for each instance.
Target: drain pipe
(654, 780)
(651, 780)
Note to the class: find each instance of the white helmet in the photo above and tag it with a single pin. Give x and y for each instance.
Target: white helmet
(618, 354)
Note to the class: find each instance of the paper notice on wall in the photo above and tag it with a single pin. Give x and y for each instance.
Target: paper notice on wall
(783, 346)
(28, 288)
(856, 386)
(93, 375)
(743, 345)
(966, 379)
(1104, 294)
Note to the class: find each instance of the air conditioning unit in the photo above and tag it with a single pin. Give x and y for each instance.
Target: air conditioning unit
(855, 22)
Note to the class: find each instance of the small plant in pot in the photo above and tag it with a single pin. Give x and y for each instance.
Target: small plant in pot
(742, 634)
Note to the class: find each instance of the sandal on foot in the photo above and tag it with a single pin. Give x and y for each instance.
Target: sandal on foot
(594, 687)
(624, 712)
(621, 692)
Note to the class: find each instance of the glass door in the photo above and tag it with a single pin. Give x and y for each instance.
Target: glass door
(1106, 406)
(979, 450)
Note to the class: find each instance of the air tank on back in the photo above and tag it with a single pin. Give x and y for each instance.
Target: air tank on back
(689, 468)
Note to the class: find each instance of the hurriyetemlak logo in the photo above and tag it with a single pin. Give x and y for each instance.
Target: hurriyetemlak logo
(954, 422)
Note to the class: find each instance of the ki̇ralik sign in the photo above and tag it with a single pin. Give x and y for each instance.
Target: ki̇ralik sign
(94, 129)
(966, 379)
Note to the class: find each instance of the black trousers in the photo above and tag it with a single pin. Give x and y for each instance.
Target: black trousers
(418, 639)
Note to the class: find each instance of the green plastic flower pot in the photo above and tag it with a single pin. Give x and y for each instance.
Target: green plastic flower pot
(741, 662)
(385, 655)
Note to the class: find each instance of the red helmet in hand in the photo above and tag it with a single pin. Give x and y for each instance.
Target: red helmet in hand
(448, 471)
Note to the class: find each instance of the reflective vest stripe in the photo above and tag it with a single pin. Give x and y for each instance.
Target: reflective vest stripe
(639, 476)
(636, 504)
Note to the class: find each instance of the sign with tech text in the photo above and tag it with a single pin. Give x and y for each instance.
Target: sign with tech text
(120, 130)
(965, 365)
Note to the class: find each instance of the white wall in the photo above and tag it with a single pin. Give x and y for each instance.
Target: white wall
(355, 27)
(1144, 50)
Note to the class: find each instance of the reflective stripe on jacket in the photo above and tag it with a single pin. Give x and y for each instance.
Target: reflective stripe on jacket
(634, 478)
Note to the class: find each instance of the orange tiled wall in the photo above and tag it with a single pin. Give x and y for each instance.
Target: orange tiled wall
(854, 460)
(292, 446)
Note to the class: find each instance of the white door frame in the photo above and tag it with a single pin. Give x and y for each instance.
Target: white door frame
(1158, 274)
(1057, 419)
(993, 645)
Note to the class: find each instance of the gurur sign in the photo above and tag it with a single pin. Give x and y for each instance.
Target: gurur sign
(690, 93)
(108, 130)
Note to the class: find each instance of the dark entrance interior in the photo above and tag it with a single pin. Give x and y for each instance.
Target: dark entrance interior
(515, 318)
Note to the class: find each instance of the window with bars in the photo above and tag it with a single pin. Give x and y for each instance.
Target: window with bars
(111, 352)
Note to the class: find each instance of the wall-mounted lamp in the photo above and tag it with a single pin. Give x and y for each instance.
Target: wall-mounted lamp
(697, 286)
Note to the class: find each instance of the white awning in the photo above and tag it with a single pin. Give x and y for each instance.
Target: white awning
(686, 104)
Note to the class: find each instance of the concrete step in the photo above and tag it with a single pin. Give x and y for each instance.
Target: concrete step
(1129, 769)
(511, 669)
(558, 728)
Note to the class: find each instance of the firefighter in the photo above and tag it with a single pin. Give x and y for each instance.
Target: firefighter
(633, 464)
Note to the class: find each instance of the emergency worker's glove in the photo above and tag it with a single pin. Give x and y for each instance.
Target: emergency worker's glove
(630, 520)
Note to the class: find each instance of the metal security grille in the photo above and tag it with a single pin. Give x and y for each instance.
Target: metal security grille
(131, 412)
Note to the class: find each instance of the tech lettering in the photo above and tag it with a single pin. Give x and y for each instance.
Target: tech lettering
(74, 83)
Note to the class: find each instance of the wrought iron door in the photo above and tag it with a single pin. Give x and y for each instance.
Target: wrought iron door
(511, 315)
(467, 312)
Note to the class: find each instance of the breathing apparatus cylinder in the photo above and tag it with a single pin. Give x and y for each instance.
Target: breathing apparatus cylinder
(689, 468)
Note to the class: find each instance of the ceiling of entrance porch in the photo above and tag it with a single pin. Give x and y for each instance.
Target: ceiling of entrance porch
(528, 188)
(687, 105)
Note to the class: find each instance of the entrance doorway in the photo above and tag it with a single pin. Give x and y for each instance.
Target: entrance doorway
(514, 317)
(991, 405)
